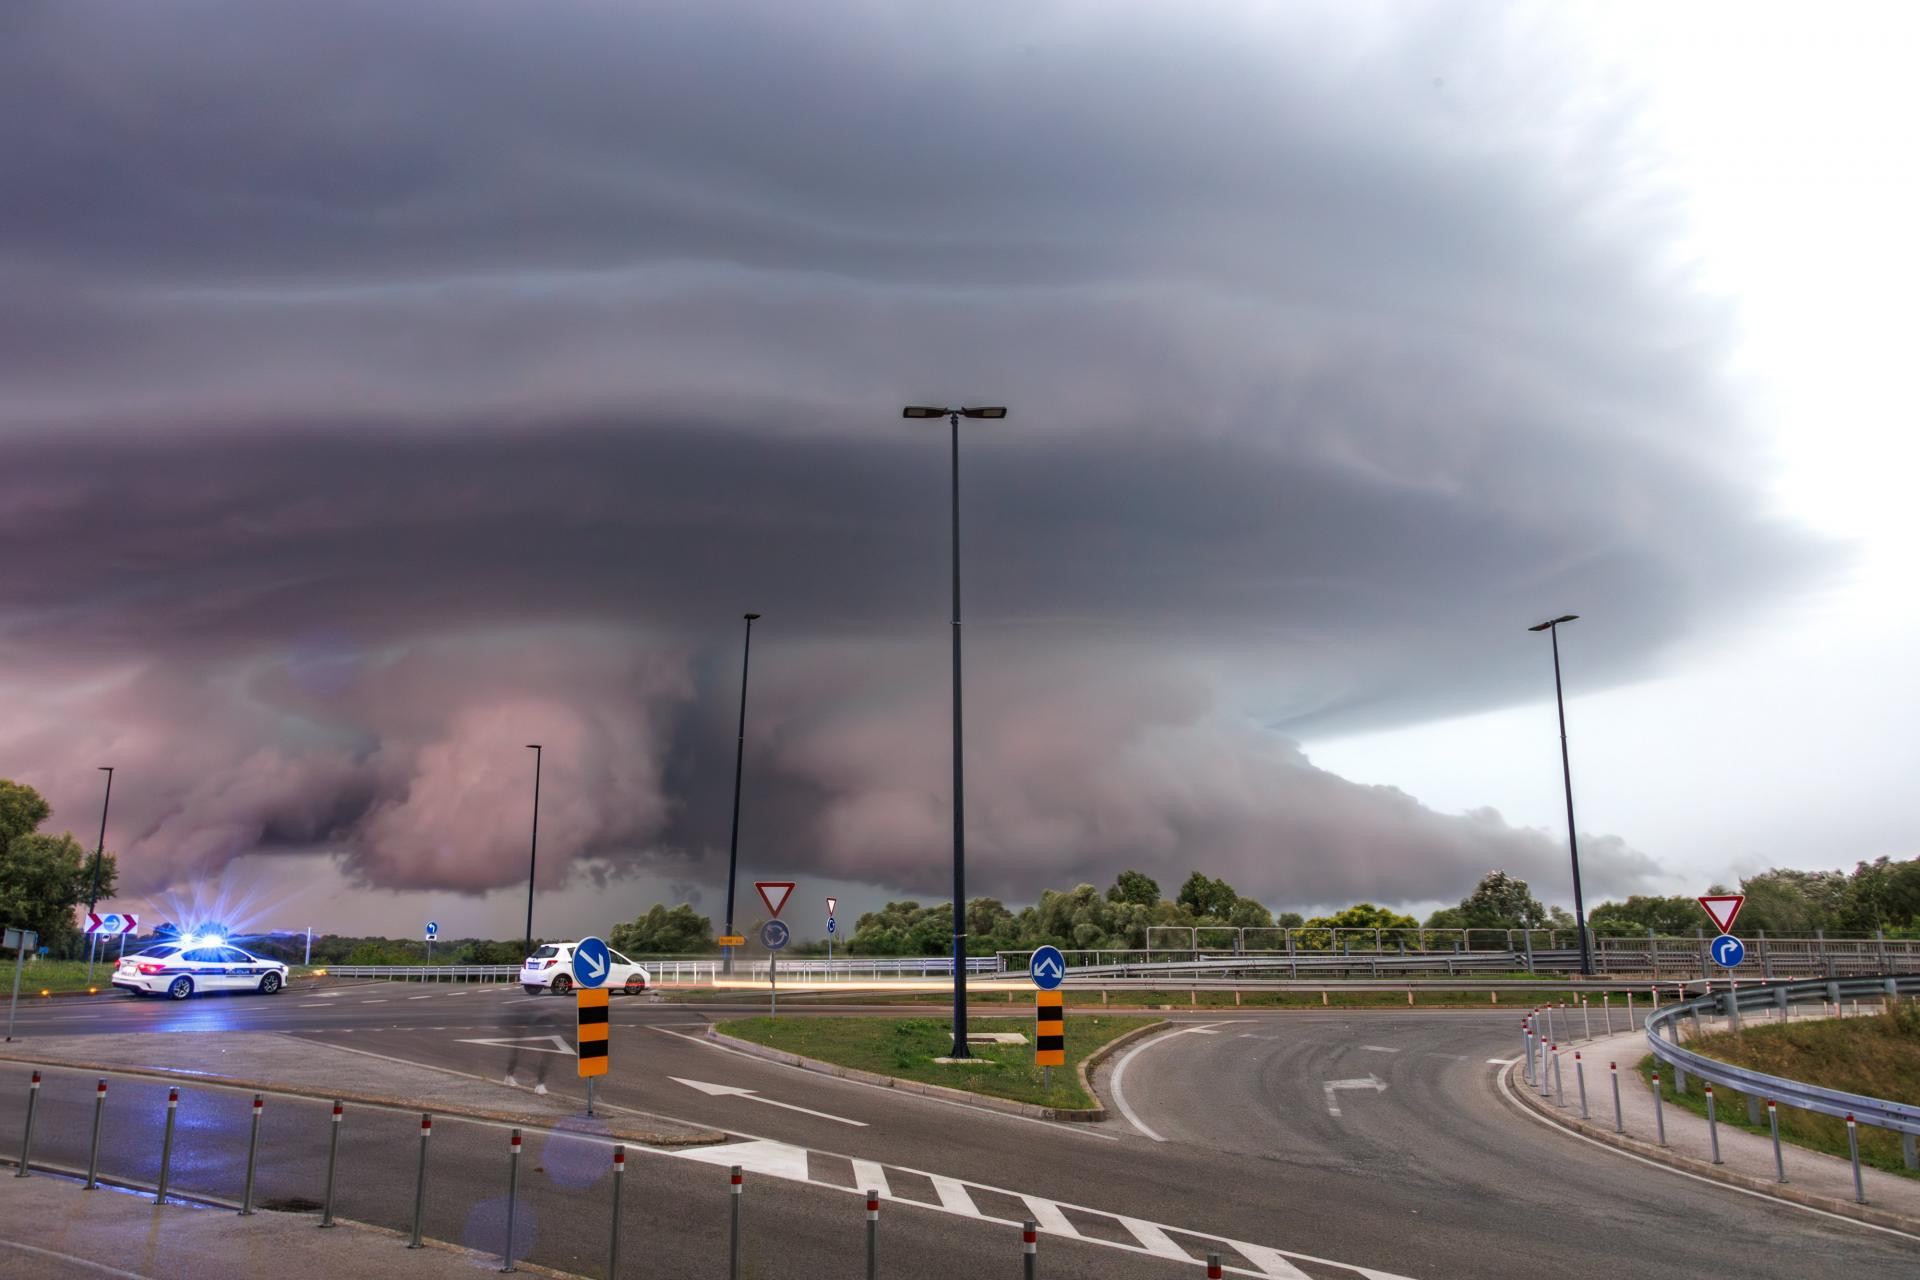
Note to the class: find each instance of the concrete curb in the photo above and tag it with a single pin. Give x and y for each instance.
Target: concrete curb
(1517, 1089)
(1031, 1110)
(626, 1133)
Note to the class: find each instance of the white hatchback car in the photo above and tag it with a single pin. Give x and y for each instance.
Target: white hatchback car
(550, 968)
(178, 969)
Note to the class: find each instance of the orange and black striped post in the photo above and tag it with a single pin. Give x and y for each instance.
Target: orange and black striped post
(1049, 1032)
(592, 1005)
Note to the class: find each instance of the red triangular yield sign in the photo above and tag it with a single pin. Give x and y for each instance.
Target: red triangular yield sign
(833, 905)
(774, 893)
(1723, 908)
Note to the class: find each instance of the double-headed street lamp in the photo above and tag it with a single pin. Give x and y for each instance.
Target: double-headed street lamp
(739, 760)
(1552, 628)
(953, 417)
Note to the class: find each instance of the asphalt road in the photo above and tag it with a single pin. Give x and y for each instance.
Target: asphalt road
(1233, 1145)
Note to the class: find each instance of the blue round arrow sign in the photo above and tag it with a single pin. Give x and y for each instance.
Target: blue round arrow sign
(433, 928)
(1728, 951)
(774, 935)
(592, 962)
(1047, 968)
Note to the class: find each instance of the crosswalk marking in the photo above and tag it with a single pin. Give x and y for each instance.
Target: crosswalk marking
(953, 1196)
(956, 1196)
(1153, 1239)
(1048, 1215)
(868, 1176)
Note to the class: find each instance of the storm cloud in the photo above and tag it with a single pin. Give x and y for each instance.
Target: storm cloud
(391, 387)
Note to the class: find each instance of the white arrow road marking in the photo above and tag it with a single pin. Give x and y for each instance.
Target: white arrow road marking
(521, 1042)
(734, 1091)
(1369, 1081)
(868, 1176)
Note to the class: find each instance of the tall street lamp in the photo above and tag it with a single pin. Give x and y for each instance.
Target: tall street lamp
(1552, 628)
(953, 417)
(739, 759)
(99, 851)
(533, 844)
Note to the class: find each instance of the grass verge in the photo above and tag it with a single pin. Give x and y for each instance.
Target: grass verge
(1878, 1056)
(906, 1048)
(1182, 998)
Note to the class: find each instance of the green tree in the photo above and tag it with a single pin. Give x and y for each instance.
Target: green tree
(664, 931)
(1676, 916)
(1394, 927)
(1136, 887)
(1500, 901)
(1207, 898)
(22, 809)
(1782, 900)
(44, 878)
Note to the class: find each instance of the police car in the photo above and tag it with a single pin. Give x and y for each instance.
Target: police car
(178, 969)
(550, 968)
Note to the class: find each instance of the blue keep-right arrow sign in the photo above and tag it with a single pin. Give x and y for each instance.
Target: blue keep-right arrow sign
(1047, 968)
(1728, 951)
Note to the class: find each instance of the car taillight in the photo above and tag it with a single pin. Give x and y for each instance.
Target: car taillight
(152, 968)
(546, 964)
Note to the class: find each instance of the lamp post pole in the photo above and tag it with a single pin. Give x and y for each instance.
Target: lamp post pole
(1552, 628)
(533, 843)
(953, 417)
(99, 852)
(739, 762)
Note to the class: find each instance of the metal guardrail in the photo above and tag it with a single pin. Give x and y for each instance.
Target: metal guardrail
(426, 972)
(1897, 1116)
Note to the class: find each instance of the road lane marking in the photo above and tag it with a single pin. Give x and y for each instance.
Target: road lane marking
(1378, 1048)
(1501, 1062)
(1120, 1071)
(420, 997)
(373, 1002)
(1153, 1240)
(1370, 1081)
(734, 1091)
(74, 1260)
(520, 1042)
(1048, 1215)
(953, 1196)
(870, 1176)
(775, 1159)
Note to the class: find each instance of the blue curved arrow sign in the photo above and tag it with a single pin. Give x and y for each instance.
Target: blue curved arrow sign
(774, 935)
(591, 962)
(1728, 951)
(1047, 968)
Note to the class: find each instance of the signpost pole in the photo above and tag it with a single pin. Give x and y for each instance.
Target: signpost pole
(22, 939)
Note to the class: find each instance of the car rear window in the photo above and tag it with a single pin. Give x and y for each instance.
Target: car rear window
(547, 952)
(158, 953)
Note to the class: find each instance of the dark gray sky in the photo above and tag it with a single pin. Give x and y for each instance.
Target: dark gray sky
(389, 386)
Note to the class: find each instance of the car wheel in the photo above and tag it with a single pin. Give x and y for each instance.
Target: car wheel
(180, 989)
(530, 989)
(562, 985)
(270, 985)
(636, 984)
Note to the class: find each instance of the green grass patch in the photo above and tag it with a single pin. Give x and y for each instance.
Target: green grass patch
(1878, 1056)
(906, 1048)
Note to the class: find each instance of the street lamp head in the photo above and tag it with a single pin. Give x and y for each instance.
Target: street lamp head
(990, 411)
(533, 746)
(751, 617)
(1554, 622)
(104, 768)
(922, 411)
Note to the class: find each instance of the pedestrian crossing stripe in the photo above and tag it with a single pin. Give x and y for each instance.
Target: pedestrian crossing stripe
(592, 1010)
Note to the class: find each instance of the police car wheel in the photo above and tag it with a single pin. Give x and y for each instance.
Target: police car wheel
(270, 984)
(180, 989)
(562, 985)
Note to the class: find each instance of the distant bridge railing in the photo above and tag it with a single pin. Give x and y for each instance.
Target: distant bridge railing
(425, 972)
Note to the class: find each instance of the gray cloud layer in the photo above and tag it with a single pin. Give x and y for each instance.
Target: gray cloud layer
(391, 387)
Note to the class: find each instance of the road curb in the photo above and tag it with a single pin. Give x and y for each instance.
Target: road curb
(1031, 1110)
(1525, 1096)
(626, 1133)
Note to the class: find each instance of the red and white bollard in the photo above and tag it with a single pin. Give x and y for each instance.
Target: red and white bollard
(613, 1245)
(1030, 1246)
(1213, 1266)
(333, 1156)
(93, 1154)
(873, 1234)
(733, 1247)
(166, 1146)
(26, 1141)
(513, 1194)
(1853, 1151)
(420, 1182)
(253, 1155)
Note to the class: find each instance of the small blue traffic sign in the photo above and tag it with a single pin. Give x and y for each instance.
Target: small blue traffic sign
(592, 962)
(1728, 951)
(831, 926)
(433, 928)
(774, 935)
(1047, 968)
